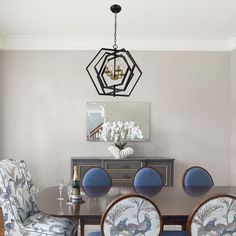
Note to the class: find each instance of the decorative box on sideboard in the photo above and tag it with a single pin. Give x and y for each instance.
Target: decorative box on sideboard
(122, 170)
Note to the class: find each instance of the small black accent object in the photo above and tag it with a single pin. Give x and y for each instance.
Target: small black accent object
(114, 72)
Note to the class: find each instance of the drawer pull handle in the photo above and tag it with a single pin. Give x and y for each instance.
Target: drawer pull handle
(126, 177)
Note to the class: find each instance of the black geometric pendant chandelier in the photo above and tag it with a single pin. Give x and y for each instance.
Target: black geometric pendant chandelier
(114, 72)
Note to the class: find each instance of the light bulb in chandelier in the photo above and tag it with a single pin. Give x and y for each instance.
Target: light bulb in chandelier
(108, 69)
(116, 73)
(119, 69)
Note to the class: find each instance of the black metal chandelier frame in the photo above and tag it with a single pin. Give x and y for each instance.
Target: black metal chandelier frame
(117, 80)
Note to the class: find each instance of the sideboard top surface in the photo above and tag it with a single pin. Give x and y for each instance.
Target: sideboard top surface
(126, 159)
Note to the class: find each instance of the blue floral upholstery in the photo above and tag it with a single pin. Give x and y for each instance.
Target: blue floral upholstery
(132, 214)
(148, 177)
(216, 216)
(95, 177)
(20, 213)
(41, 222)
(197, 176)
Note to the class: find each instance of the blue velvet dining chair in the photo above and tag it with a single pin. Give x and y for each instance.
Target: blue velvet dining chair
(197, 176)
(147, 177)
(131, 214)
(95, 181)
(19, 208)
(96, 177)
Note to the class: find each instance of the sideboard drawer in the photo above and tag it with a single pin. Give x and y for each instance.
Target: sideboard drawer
(121, 165)
(122, 176)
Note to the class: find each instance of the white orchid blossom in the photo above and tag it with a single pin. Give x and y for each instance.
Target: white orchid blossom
(120, 132)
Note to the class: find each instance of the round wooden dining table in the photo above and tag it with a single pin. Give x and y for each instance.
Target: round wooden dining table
(175, 203)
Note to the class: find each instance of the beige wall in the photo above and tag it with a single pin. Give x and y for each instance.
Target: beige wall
(233, 118)
(43, 97)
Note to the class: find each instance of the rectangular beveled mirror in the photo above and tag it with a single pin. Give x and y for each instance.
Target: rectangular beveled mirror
(100, 112)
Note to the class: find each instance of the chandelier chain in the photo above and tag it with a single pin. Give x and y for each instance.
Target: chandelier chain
(115, 46)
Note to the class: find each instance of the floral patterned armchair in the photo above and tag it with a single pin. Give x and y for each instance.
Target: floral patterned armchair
(215, 216)
(20, 213)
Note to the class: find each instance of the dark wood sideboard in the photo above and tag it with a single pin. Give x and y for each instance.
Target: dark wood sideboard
(122, 170)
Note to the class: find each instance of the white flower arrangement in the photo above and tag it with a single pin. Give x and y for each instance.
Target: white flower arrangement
(120, 132)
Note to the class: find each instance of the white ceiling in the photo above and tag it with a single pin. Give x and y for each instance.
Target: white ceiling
(142, 25)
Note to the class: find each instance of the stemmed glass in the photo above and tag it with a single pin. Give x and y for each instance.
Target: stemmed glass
(69, 191)
(60, 182)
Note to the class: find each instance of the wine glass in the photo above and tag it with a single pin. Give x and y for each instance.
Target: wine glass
(69, 191)
(60, 182)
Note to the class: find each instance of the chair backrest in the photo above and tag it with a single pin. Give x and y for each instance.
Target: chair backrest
(17, 195)
(95, 177)
(214, 216)
(132, 214)
(197, 176)
(147, 177)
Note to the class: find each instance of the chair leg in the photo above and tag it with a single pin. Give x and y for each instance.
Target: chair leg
(84, 222)
(81, 229)
(77, 223)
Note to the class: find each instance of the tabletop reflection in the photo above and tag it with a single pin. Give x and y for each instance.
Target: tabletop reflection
(197, 191)
(96, 191)
(148, 191)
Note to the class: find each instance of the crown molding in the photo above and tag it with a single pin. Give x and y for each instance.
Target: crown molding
(140, 44)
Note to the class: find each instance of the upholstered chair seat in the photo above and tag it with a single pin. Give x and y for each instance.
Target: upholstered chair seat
(20, 213)
(41, 222)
